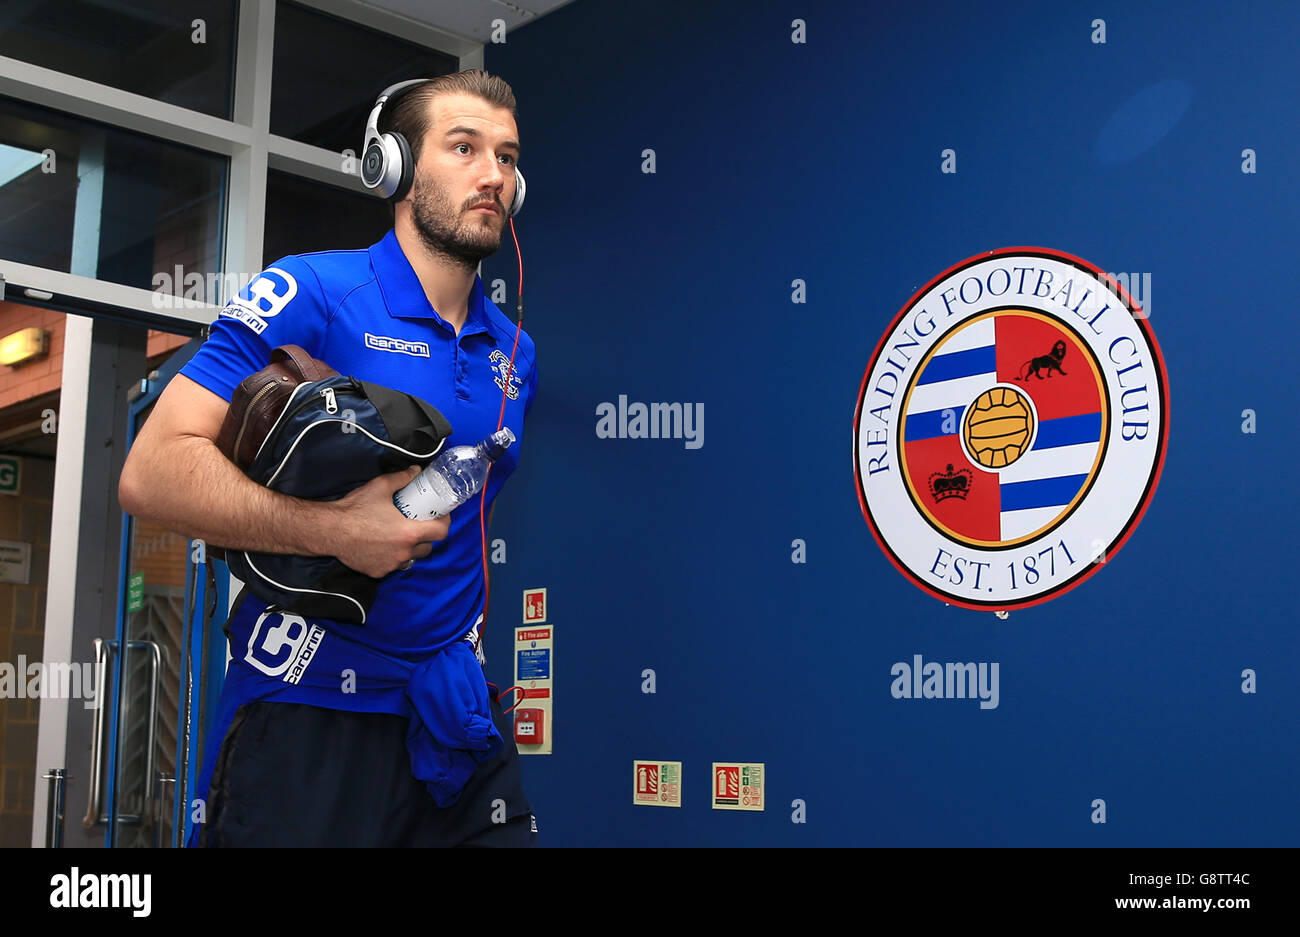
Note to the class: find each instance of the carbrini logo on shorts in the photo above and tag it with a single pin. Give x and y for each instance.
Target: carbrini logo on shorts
(1011, 428)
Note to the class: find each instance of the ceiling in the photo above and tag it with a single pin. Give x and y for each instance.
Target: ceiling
(470, 18)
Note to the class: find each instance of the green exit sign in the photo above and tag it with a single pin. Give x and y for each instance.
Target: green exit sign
(135, 593)
(10, 474)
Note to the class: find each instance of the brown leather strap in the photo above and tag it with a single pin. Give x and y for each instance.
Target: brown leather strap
(307, 366)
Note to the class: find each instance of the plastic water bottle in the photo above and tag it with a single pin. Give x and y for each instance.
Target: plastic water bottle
(451, 479)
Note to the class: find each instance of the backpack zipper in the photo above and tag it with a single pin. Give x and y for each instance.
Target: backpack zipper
(292, 407)
(248, 412)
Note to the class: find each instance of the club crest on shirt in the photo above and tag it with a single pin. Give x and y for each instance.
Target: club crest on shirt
(1010, 428)
(500, 362)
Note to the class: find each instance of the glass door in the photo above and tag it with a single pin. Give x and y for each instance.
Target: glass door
(163, 671)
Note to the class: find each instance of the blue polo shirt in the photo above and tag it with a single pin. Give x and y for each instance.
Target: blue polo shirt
(364, 313)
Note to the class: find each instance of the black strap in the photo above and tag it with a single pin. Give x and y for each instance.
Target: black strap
(243, 594)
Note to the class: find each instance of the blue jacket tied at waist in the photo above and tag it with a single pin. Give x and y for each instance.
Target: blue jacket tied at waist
(451, 727)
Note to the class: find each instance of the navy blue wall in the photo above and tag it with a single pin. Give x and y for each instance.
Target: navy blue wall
(821, 161)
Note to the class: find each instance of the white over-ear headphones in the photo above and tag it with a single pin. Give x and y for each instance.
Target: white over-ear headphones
(386, 164)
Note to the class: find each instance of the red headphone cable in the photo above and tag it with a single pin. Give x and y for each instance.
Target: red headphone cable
(510, 370)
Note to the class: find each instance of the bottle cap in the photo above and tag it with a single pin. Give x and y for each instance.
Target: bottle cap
(498, 443)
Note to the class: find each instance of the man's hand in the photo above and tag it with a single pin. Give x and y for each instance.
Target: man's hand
(372, 536)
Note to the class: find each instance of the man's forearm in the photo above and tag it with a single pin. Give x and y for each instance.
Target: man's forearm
(188, 486)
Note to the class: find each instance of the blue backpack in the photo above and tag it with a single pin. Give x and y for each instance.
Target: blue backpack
(332, 436)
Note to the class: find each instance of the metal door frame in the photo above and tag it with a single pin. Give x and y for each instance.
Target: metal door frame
(202, 647)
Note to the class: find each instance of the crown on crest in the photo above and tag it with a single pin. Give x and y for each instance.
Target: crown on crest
(950, 484)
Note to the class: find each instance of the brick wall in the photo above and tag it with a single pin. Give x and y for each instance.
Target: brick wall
(160, 554)
(160, 342)
(19, 382)
(24, 381)
(24, 517)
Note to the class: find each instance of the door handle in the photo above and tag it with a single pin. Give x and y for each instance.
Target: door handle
(157, 805)
(95, 809)
(155, 667)
(97, 735)
(54, 808)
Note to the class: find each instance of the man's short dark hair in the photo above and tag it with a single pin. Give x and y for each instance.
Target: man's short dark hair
(411, 115)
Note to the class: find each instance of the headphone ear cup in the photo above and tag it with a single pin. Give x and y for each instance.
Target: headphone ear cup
(381, 165)
(405, 168)
(373, 164)
(520, 188)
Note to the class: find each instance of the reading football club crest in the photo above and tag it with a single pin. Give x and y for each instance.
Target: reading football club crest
(1011, 428)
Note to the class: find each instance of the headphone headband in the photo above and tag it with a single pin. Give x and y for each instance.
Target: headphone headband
(387, 167)
(392, 90)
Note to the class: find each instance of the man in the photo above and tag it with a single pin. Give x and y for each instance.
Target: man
(319, 737)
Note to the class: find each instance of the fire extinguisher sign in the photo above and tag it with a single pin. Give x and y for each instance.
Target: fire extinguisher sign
(657, 783)
(737, 786)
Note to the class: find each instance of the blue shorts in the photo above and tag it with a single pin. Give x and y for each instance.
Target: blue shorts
(289, 774)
